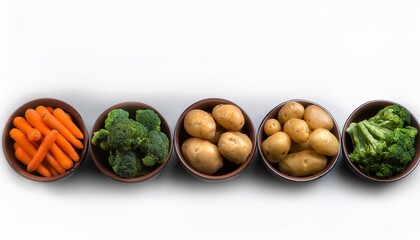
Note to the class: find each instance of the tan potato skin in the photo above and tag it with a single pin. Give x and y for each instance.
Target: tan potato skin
(290, 110)
(219, 131)
(316, 117)
(271, 126)
(235, 146)
(202, 155)
(229, 116)
(302, 164)
(324, 142)
(297, 147)
(200, 124)
(276, 147)
(297, 129)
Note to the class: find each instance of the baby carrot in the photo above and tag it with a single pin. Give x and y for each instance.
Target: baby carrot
(50, 109)
(54, 123)
(42, 150)
(62, 158)
(61, 115)
(35, 119)
(21, 140)
(24, 157)
(34, 135)
(51, 169)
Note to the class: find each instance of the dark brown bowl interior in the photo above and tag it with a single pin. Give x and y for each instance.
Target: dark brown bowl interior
(365, 111)
(100, 156)
(228, 170)
(273, 168)
(8, 141)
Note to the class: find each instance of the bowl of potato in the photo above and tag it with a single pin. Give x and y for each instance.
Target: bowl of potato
(214, 139)
(299, 140)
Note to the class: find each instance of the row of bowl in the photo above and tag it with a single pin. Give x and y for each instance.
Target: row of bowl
(100, 157)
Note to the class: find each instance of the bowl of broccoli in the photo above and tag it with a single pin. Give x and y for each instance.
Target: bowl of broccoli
(381, 141)
(131, 142)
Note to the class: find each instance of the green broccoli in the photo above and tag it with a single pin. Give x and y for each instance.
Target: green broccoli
(155, 147)
(100, 137)
(126, 135)
(148, 118)
(127, 164)
(383, 145)
(115, 116)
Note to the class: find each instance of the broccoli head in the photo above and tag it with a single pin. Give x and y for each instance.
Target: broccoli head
(100, 137)
(148, 118)
(126, 135)
(115, 116)
(155, 147)
(391, 117)
(128, 164)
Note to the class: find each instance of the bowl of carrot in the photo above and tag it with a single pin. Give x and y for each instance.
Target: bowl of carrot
(45, 140)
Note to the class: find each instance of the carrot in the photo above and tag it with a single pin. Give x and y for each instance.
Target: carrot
(50, 109)
(42, 110)
(35, 119)
(51, 169)
(24, 157)
(34, 135)
(62, 158)
(54, 123)
(42, 150)
(15, 146)
(61, 115)
(23, 142)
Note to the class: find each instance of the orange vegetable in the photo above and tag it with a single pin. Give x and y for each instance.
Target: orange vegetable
(23, 142)
(51, 169)
(62, 158)
(42, 150)
(61, 115)
(34, 135)
(50, 109)
(54, 123)
(24, 157)
(35, 119)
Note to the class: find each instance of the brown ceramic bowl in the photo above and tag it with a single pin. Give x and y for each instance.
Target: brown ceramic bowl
(228, 170)
(8, 141)
(367, 110)
(273, 168)
(100, 156)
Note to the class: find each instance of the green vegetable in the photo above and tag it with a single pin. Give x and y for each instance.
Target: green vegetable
(148, 118)
(134, 150)
(155, 147)
(383, 145)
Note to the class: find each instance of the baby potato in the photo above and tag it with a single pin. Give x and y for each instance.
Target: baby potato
(289, 110)
(276, 147)
(202, 155)
(297, 129)
(235, 146)
(316, 117)
(297, 147)
(302, 164)
(229, 116)
(324, 142)
(200, 124)
(271, 126)
(217, 134)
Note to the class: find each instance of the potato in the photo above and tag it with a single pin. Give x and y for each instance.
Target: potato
(271, 126)
(324, 142)
(229, 116)
(316, 117)
(303, 163)
(219, 131)
(297, 129)
(235, 146)
(276, 147)
(290, 110)
(297, 147)
(202, 155)
(200, 124)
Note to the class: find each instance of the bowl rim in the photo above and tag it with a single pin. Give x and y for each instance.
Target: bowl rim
(188, 167)
(352, 166)
(111, 174)
(277, 173)
(15, 164)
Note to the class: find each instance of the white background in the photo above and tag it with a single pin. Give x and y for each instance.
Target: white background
(169, 54)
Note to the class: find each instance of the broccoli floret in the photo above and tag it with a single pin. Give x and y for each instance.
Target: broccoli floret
(383, 145)
(126, 135)
(115, 116)
(391, 117)
(149, 119)
(125, 164)
(155, 147)
(100, 137)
